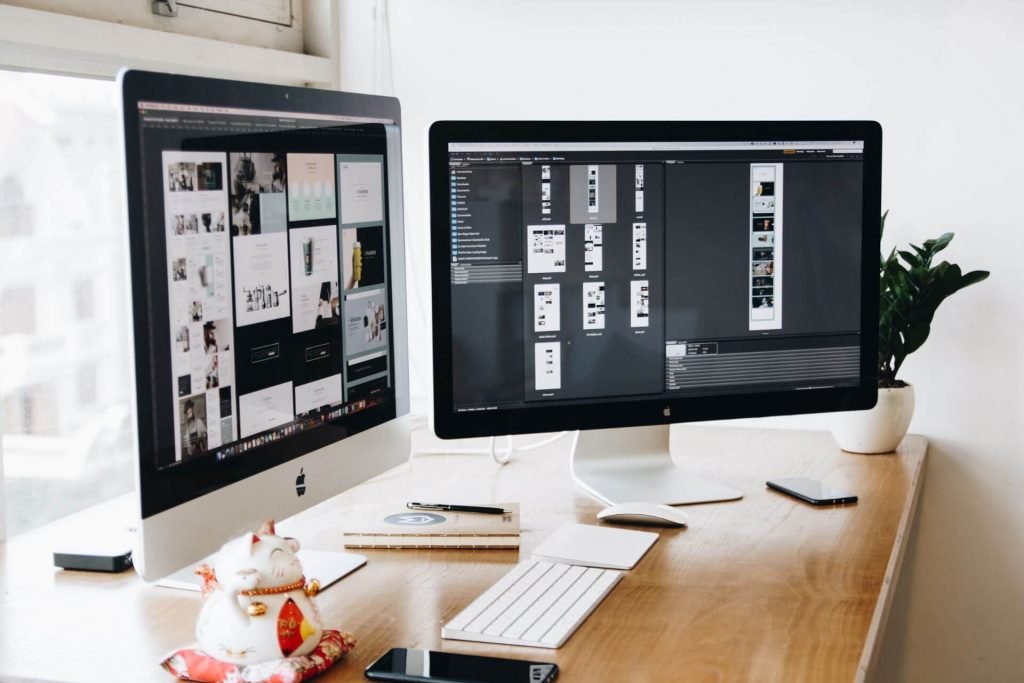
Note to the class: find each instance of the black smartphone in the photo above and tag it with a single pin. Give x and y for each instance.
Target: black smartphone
(812, 491)
(427, 666)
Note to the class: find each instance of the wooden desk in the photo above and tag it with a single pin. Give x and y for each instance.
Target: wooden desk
(766, 588)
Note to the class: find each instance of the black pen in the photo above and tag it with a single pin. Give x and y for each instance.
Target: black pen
(455, 508)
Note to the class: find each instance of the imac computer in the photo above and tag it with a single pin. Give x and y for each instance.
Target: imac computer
(595, 276)
(267, 289)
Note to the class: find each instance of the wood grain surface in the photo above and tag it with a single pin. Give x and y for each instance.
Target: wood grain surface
(766, 588)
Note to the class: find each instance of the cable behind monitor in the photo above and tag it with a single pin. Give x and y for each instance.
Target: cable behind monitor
(501, 457)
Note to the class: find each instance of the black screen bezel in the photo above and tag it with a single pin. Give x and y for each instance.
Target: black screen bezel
(163, 489)
(612, 413)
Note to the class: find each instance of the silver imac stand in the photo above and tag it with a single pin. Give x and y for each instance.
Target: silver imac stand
(326, 566)
(635, 465)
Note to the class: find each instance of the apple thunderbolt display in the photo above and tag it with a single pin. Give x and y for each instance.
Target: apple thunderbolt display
(605, 275)
(267, 272)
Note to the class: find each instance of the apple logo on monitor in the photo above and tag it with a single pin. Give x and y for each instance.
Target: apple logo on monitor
(667, 412)
(300, 482)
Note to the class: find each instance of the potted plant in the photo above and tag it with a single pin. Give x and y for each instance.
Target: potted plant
(911, 289)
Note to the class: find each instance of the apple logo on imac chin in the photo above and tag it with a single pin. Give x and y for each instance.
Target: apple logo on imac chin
(300, 482)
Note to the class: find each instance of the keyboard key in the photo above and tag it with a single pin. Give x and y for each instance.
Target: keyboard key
(563, 603)
(488, 596)
(527, 600)
(544, 604)
(507, 597)
(580, 610)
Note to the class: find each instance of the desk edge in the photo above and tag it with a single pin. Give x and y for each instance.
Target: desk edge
(917, 446)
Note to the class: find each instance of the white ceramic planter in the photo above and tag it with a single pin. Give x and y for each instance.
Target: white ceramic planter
(880, 429)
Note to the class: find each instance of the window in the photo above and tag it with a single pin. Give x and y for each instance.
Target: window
(64, 375)
(271, 41)
(64, 391)
(15, 213)
(17, 310)
(31, 410)
(83, 300)
(274, 24)
(87, 380)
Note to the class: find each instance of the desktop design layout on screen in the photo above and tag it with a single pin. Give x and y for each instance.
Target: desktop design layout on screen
(585, 272)
(272, 316)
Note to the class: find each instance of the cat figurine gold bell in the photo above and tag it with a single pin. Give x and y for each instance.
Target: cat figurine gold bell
(257, 605)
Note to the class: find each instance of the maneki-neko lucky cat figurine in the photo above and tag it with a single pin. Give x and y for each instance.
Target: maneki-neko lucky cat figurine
(258, 606)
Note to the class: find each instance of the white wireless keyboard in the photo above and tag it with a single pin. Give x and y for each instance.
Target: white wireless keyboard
(537, 604)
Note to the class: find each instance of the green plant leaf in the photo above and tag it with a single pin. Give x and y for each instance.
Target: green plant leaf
(974, 277)
(911, 258)
(925, 254)
(949, 279)
(939, 243)
(910, 292)
(915, 336)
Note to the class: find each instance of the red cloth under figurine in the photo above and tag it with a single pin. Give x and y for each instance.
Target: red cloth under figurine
(195, 665)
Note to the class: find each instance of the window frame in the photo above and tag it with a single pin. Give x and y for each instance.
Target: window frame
(36, 40)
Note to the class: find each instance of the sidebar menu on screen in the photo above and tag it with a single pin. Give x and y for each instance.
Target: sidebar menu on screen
(487, 284)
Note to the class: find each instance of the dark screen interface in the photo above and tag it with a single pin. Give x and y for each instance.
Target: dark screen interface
(269, 286)
(586, 272)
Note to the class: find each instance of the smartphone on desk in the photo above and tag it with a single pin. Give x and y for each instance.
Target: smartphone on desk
(812, 491)
(426, 666)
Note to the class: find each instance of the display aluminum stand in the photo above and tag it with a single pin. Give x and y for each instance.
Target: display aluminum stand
(326, 566)
(635, 465)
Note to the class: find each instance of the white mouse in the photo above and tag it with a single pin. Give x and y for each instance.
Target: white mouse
(644, 513)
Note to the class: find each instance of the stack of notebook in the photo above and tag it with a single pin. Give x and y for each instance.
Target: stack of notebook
(395, 526)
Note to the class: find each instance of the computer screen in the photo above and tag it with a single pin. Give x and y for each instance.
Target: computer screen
(263, 272)
(689, 272)
(277, 298)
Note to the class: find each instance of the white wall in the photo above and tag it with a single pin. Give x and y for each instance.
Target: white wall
(944, 79)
